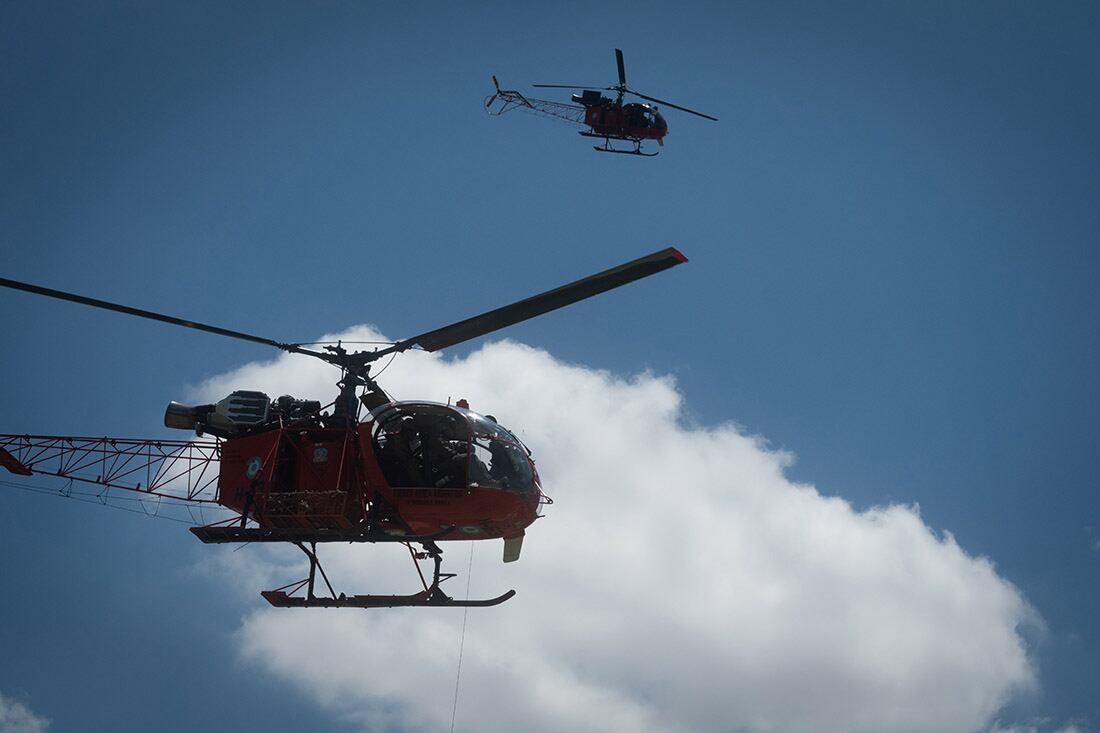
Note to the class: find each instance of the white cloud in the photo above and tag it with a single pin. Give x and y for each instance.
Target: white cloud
(15, 717)
(1041, 725)
(681, 582)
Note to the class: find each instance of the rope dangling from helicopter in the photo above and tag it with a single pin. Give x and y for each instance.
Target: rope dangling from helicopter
(462, 637)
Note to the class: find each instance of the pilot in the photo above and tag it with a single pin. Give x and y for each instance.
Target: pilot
(400, 462)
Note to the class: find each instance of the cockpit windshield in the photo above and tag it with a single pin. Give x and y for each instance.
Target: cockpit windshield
(654, 118)
(427, 445)
(502, 453)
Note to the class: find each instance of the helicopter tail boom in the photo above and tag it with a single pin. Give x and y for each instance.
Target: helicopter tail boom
(506, 100)
(182, 471)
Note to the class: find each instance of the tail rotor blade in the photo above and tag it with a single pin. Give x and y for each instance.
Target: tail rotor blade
(622, 68)
(489, 100)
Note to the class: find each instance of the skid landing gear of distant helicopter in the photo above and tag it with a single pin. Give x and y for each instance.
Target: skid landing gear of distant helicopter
(362, 469)
(606, 147)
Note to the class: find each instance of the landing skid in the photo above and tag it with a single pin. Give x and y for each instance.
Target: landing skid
(280, 599)
(432, 595)
(606, 147)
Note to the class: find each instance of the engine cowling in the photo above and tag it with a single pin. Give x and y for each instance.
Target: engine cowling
(234, 415)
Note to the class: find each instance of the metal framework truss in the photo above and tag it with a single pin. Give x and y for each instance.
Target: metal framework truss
(506, 100)
(183, 470)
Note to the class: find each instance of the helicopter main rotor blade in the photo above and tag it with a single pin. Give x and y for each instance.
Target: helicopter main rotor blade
(522, 310)
(440, 338)
(670, 104)
(622, 69)
(571, 86)
(106, 305)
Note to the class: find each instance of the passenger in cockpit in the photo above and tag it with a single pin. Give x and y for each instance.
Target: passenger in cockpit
(445, 454)
(501, 469)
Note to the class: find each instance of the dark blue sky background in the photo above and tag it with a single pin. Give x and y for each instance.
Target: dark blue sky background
(892, 233)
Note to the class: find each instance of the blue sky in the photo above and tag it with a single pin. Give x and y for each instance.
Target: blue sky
(891, 232)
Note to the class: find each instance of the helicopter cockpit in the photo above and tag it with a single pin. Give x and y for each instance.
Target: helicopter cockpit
(655, 119)
(430, 445)
(644, 117)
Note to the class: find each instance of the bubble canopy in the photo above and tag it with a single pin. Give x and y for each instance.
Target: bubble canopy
(432, 445)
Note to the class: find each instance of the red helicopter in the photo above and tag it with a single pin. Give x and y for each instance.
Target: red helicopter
(605, 117)
(364, 468)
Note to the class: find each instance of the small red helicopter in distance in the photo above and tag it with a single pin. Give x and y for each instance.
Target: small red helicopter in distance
(605, 117)
(364, 468)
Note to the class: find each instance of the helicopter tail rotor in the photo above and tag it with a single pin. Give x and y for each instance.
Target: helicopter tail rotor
(489, 100)
(496, 85)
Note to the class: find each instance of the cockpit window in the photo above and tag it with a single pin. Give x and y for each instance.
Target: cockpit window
(654, 119)
(490, 427)
(501, 453)
(427, 445)
(505, 465)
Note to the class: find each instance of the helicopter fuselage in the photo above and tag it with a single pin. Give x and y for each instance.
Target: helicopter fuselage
(412, 469)
(632, 121)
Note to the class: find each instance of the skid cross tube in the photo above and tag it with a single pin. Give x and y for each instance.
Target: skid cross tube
(314, 566)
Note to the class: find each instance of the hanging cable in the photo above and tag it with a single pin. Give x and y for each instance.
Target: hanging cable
(100, 498)
(462, 636)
